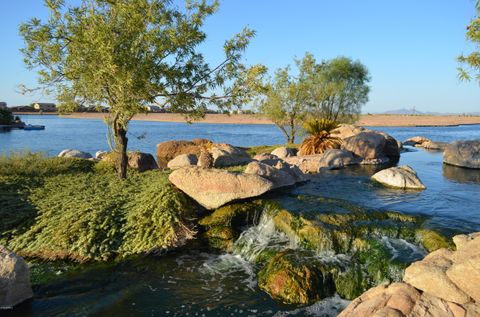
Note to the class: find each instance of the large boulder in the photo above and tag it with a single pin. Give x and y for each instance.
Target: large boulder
(306, 163)
(344, 131)
(141, 161)
(403, 177)
(278, 177)
(168, 150)
(283, 152)
(182, 160)
(14, 279)
(266, 158)
(373, 147)
(225, 155)
(336, 158)
(293, 170)
(213, 188)
(463, 154)
(74, 154)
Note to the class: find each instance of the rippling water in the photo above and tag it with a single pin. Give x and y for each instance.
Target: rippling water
(196, 283)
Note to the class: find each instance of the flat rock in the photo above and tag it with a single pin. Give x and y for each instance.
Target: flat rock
(213, 188)
(278, 177)
(403, 177)
(14, 279)
(416, 140)
(466, 276)
(182, 160)
(266, 158)
(463, 154)
(74, 154)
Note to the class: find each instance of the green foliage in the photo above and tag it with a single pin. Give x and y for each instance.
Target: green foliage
(126, 54)
(317, 126)
(6, 116)
(334, 89)
(66, 209)
(472, 60)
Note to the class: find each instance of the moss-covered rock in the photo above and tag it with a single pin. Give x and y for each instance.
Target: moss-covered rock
(432, 240)
(293, 277)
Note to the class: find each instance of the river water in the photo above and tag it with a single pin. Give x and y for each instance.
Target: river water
(195, 282)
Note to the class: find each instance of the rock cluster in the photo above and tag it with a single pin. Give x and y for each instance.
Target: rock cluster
(445, 283)
(14, 279)
(420, 141)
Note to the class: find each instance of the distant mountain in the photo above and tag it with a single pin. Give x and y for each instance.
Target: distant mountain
(403, 111)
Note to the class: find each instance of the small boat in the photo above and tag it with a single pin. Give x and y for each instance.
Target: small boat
(34, 127)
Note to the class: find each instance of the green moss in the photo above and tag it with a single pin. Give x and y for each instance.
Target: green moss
(294, 277)
(234, 215)
(73, 212)
(223, 233)
(351, 283)
(432, 240)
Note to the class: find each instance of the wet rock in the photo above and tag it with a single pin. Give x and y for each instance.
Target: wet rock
(373, 147)
(336, 158)
(142, 161)
(434, 146)
(14, 279)
(463, 154)
(293, 278)
(283, 152)
(417, 140)
(403, 177)
(213, 188)
(278, 177)
(182, 160)
(432, 240)
(74, 154)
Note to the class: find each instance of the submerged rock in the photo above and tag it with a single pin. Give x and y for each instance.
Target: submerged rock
(74, 154)
(182, 160)
(213, 188)
(295, 278)
(14, 279)
(463, 154)
(403, 177)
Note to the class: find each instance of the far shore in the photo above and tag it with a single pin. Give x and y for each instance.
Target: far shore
(374, 120)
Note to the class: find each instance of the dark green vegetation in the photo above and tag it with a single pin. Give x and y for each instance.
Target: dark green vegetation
(55, 208)
(340, 248)
(6, 116)
(472, 60)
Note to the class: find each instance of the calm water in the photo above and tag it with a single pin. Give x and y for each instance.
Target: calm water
(197, 283)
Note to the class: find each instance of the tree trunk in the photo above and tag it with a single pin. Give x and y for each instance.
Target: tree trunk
(121, 142)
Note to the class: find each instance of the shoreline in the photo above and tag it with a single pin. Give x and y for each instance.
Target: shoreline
(365, 120)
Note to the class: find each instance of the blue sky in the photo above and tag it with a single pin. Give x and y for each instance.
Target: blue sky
(409, 46)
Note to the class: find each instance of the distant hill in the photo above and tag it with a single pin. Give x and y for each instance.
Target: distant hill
(404, 111)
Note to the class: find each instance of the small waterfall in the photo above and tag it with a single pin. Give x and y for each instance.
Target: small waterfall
(261, 237)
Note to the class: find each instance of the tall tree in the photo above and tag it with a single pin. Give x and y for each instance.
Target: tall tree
(472, 60)
(338, 88)
(129, 53)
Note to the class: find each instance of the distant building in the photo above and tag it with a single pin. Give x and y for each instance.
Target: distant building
(44, 106)
(3, 105)
(154, 109)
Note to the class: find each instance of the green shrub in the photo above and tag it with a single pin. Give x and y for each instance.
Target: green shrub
(70, 210)
(6, 116)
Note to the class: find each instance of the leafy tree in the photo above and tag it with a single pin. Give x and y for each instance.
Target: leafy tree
(334, 90)
(338, 88)
(283, 101)
(6, 116)
(472, 61)
(129, 53)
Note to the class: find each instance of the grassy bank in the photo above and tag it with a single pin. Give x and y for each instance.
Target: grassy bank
(54, 208)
